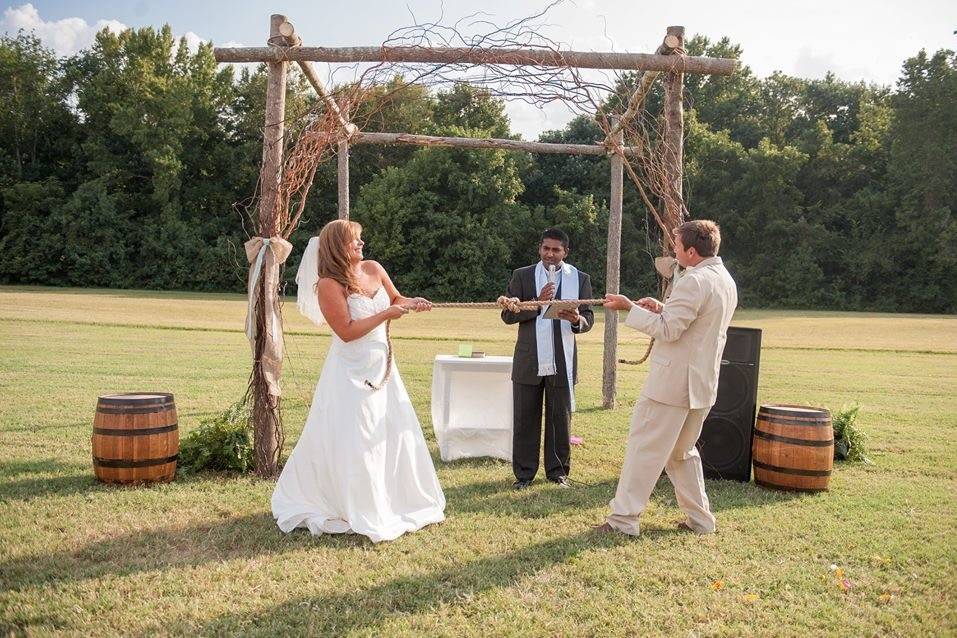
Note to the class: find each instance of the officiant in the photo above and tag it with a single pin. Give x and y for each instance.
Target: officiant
(545, 363)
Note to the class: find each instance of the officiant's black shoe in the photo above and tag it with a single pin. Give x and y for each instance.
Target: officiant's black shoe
(561, 481)
(521, 484)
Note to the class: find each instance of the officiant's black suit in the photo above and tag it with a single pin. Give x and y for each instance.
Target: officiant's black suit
(529, 390)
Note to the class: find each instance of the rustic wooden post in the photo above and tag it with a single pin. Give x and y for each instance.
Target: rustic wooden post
(343, 161)
(643, 86)
(613, 275)
(266, 418)
(673, 139)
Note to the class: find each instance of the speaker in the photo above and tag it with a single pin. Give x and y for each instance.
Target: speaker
(725, 442)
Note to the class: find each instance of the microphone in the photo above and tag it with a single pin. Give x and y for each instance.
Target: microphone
(552, 276)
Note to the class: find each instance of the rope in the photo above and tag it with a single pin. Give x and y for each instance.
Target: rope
(388, 362)
(513, 304)
(508, 303)
(636, 362)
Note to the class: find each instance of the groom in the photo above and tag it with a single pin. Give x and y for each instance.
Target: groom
(690, 330)
(545, 365)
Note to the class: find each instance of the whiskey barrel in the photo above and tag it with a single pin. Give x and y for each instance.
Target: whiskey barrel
(793, 448)
(135, 438)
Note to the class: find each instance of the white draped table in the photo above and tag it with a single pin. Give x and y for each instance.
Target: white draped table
(472, 406)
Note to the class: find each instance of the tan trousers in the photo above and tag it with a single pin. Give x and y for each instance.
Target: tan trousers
(662, 437)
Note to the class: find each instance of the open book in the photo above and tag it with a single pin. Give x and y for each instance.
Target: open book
(552, 312)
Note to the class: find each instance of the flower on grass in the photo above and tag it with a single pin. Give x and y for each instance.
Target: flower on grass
(842, 581)
(717, 585)
(886, 598)
(750, 598)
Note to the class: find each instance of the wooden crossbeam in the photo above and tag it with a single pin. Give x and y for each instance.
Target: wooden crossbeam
(461, 55)
(484, 143)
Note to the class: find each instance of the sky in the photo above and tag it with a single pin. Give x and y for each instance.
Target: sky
(855, 39)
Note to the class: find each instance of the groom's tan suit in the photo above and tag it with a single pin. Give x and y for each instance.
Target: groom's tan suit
(682, 386)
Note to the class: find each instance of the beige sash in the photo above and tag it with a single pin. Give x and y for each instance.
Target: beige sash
(265, 254)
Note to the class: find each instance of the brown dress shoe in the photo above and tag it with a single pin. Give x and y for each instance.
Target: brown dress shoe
(604, 528)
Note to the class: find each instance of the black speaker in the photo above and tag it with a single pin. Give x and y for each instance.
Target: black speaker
(725, 443)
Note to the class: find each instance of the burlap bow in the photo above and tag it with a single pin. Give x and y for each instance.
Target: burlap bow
(265, 254)
(670, 271)
(666, 266)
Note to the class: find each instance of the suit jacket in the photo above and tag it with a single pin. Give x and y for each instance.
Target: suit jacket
(525, 359)
(689, 336)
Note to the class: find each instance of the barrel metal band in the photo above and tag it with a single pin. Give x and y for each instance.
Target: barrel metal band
(136, 397)
(123, 463)
(791, 470)
(786, 488)
(787, 439)
(793, 420)
(140, 432)
(133, 409)
(785, 412)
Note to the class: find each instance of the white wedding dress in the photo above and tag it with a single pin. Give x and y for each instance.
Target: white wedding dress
(361, 464)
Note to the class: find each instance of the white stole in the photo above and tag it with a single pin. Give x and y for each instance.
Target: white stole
(545, 337)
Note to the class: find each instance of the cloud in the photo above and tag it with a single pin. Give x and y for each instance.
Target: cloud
(65, 37)
(193, 41)
(531, 120)
(815, 64)
(69, 35)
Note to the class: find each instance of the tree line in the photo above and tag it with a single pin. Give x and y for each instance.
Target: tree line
(128, 166)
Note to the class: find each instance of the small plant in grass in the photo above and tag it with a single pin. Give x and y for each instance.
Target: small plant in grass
(849, 440)
(223, 443)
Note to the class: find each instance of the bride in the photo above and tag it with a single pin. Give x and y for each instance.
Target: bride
(361, 465)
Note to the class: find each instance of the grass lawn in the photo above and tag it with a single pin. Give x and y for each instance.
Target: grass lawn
(203, 556)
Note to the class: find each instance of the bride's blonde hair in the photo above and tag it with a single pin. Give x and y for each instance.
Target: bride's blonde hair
(334, 250)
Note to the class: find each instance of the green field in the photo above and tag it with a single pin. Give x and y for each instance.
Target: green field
(203, 556)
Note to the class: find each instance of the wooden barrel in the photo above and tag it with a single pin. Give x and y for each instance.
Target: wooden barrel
(793, 448)
(135, 438)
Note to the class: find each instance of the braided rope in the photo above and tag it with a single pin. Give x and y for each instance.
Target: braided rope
(513, 304)
(508, 303)
(388, 362)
